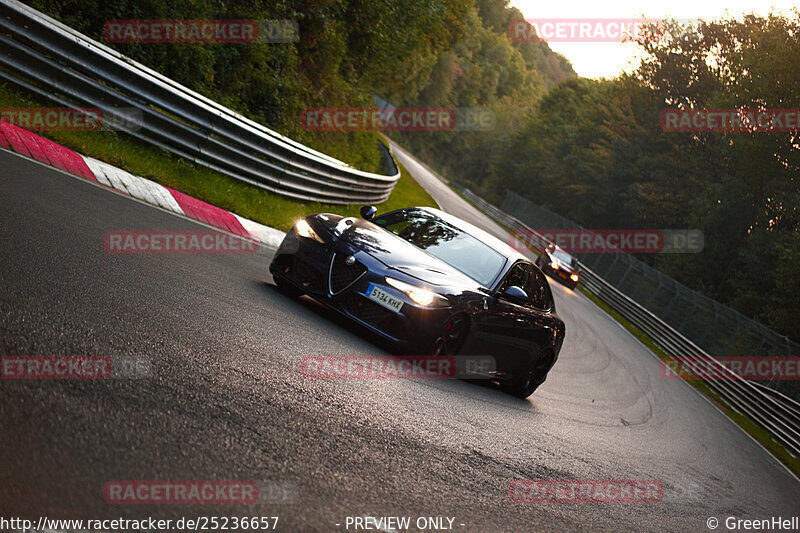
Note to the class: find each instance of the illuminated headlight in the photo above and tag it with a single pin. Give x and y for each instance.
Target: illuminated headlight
(574, 277)
(421, 296)
(553, 265)
(304, 229)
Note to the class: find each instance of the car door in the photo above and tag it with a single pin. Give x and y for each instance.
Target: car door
(513, 332)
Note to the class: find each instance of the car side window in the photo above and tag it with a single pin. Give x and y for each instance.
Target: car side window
(532, 281)
(538, 290)
(516, 276)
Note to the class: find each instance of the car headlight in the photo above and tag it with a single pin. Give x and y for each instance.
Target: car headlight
(574, 277)
(553, 265)
(304, 229)
(423, 297)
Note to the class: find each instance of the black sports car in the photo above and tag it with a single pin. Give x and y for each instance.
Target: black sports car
(430, 283)
(559, 265)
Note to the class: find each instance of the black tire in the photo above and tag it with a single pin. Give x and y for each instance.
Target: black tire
(452, 337)
(532, 378)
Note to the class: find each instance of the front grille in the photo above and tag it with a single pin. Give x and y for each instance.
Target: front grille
(374, 314)
(343, 275)
(307, 276)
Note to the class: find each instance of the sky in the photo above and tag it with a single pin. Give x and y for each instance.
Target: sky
(601, 59)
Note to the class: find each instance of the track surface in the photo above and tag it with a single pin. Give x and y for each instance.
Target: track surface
(227, 401)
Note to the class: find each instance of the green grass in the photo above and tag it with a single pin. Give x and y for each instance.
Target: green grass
(195, 180)
(753, 429)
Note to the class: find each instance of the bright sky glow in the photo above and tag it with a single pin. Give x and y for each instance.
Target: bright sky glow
(598, 59)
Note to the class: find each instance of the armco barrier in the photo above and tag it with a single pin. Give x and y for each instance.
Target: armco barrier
(773, 411)
(52, 60)
(714, 327)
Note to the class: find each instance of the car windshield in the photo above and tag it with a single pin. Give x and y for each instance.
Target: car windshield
(564, 257)
(446, 242)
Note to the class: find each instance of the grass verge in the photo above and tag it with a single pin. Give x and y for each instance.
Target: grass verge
(752, 429)
(247, 200)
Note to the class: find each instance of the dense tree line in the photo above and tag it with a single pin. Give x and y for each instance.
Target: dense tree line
(595, 152)
(348, 51)
(485, 70)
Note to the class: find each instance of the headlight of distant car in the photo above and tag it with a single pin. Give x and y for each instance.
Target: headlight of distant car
(304, 229)
(574, 277)
(553, 265)
(421, 296)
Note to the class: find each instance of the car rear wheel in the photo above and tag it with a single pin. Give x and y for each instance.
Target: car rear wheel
(453, 335)
(530, 380)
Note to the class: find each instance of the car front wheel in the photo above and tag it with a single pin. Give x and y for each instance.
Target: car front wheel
(534, 375)
(452, 336)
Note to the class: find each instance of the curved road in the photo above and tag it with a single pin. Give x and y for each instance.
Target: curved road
(226, 399)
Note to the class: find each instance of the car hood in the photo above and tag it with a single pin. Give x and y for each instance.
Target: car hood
(393, 251)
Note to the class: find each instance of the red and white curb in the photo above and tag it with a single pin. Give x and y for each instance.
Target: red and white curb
(46, 151)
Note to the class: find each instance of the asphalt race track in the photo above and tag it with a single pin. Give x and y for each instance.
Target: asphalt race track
(226, 399)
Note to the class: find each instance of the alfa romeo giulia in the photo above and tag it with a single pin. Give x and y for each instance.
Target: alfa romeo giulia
(431, 284)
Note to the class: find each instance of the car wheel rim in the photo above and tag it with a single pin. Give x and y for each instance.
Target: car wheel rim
(438, 347)
(451, 340)
(537, 373)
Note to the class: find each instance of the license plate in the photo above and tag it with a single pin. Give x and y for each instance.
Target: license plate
(384, 298)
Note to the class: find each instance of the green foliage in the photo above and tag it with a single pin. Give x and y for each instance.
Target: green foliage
(483, 70)
(590, 150)
(747, 202)
(594, 151)
(347, 51)
(423, 52)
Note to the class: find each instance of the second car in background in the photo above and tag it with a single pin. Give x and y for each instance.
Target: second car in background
(559, 265)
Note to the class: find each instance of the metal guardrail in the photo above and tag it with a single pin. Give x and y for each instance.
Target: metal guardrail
(713, 326)
(52, 60)
(773, 411)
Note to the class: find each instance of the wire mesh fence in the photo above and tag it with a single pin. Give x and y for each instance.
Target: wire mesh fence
(717, 329)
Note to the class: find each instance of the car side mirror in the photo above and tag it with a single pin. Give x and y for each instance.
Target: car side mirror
(515, 295)
(368, 212)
